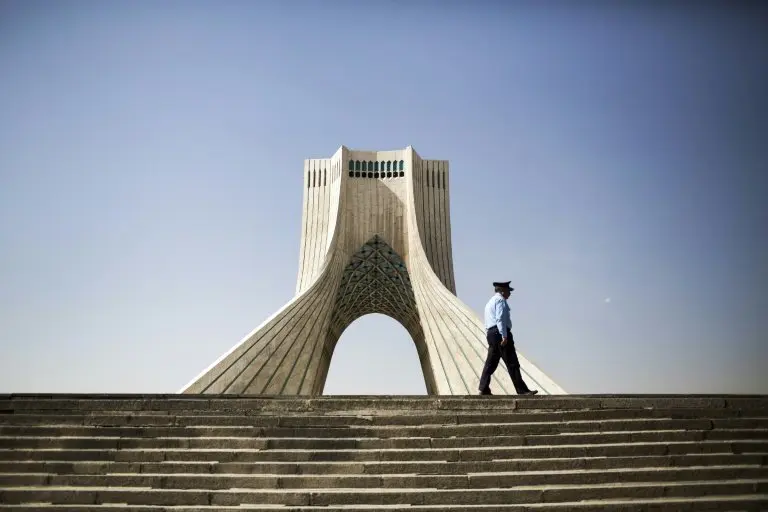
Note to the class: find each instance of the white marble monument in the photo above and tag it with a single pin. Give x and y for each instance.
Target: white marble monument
(375, 238)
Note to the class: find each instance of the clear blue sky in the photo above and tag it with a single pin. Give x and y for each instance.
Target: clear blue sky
(610, 158)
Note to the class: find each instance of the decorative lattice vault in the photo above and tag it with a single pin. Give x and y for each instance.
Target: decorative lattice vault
(375, 281)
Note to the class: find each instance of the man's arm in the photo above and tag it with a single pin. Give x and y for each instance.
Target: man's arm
(498, 313)
(505, 319)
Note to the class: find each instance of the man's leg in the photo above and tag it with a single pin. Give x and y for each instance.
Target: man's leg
(491, 361)
(509, 354)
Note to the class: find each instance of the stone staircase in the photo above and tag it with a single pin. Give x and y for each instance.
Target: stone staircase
(554, 453)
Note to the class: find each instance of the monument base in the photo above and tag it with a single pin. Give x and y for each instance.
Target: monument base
(209, 452)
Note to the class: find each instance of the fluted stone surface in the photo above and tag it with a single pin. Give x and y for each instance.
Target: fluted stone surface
(203, 453)
(376, 238)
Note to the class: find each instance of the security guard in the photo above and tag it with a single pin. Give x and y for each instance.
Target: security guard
(501, 345)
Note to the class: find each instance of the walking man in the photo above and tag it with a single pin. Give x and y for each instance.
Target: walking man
(501, 345)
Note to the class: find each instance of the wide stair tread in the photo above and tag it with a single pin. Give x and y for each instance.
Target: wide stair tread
(749, 502)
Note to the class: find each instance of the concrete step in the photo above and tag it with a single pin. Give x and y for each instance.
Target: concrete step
(747, 503)
(484, 428)
(496, 479)
(359, 455)
(383, 431)
(412, 467)
(286, 405)
(394, 496)
(367, 443)
(254, 419)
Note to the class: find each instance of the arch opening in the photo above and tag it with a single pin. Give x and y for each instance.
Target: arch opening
(375, 356)
(376, 281)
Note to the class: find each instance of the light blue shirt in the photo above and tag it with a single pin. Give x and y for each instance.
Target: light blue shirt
(497, 313)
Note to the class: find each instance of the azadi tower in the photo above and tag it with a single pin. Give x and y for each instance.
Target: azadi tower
(375, 238)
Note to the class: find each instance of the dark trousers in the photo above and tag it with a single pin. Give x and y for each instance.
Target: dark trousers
(508, 354)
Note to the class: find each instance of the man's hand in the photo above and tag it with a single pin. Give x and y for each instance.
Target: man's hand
(503, 341)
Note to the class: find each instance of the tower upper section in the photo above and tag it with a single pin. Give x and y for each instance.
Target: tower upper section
(358, 194)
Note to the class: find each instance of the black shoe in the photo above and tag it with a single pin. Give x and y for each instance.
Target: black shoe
(486, 392)
(529, 392)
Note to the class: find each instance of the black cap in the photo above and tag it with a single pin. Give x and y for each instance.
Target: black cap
(503, 285)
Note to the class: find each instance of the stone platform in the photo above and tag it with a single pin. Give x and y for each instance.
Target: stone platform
(555, 453)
